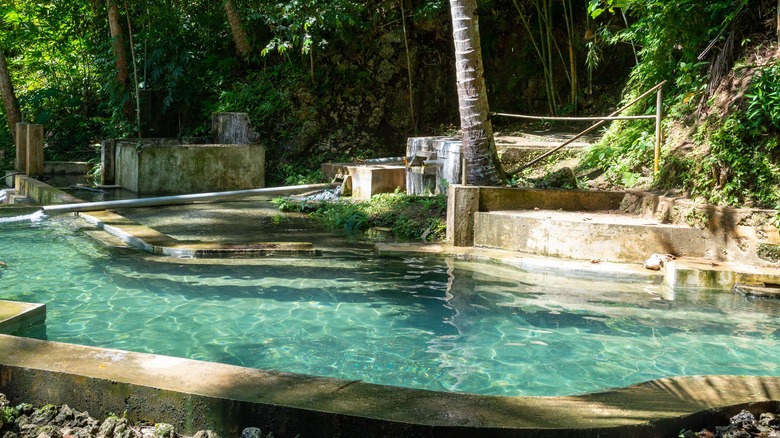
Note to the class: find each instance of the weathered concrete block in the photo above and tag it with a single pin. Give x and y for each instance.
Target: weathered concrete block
(65, 168)
(600, 237)
(462, 203)
(444, 164)
(368, 181)
(156, 169)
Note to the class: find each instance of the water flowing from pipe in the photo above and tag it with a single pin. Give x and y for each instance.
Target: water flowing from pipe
(38, 216)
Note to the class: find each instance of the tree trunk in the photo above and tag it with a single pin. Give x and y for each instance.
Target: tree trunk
(479, 147)
(11, 105)
(239, 34)
(120, 56)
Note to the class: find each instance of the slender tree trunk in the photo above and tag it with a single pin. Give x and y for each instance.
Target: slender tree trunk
(11, 105)
(240, 37)
(120, 56)
(479, 148)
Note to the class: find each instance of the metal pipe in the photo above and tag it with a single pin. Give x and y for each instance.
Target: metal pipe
(181, 199)
(389, 160)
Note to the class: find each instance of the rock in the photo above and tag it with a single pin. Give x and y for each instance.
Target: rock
(164, 430)
(48, 431)
(44, 415)
(732, 432)
(206, 434)
(108, 427)
(65, 415)
(252, 432)
(656, 261)
(744, 420)
(124, 429)
(563, 178)
(767, 422)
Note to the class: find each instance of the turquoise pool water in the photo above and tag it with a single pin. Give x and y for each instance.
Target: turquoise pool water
(424, 323)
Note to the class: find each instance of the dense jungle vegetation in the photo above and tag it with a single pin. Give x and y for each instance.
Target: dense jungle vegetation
(336, 80)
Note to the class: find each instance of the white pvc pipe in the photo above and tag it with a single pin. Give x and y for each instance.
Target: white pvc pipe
(181, 199)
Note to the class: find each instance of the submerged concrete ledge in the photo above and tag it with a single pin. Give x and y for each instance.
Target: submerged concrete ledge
(684, 272)
(15, 315)
(155, 242)
(194, 395)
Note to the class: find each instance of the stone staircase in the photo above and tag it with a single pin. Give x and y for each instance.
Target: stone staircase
(589, 235)
(714, 246)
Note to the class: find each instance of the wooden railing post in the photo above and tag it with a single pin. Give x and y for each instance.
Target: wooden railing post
(34, 150)
(659, 98)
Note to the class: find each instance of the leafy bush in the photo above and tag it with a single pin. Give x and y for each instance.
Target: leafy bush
(763, 100)
(625, 151)
(409, 217)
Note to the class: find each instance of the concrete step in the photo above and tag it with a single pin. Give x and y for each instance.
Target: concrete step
(600, 235)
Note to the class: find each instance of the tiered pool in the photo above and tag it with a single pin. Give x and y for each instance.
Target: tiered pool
(428, 323)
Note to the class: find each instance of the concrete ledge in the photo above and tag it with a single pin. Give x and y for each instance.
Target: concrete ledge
(641, 224)
(620, 272)
(615, 238)
(16, 315)
(152, 241)
(195, 395)
(41, 193)
(689, 272)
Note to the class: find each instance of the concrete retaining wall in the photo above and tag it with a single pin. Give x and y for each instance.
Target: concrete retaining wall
(151, 168)
(195, 395)
(41, 193)
(641, 224)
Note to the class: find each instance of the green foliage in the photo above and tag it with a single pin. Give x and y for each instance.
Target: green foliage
(625, 152)
(345, 215)
(409, 217)
(7, 149)
(741, 167)
(763, 100)
(670, 36)
(304, 24)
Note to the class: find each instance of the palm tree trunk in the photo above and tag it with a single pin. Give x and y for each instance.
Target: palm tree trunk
(11, 105)
(240, 37)
(479, 148)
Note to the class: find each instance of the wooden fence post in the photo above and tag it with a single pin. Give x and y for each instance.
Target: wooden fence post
(34, 150)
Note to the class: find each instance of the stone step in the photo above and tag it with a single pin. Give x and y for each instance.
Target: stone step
(601, 235)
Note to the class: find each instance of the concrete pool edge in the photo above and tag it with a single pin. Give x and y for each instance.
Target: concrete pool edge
(15, 315)
(195, 395)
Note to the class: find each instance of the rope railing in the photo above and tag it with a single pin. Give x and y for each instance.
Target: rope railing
(658, 89)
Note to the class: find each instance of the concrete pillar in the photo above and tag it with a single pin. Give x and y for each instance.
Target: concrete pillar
(21, 147)
(34, 150)
(232, 128)
(108, 162)
(462, 203)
